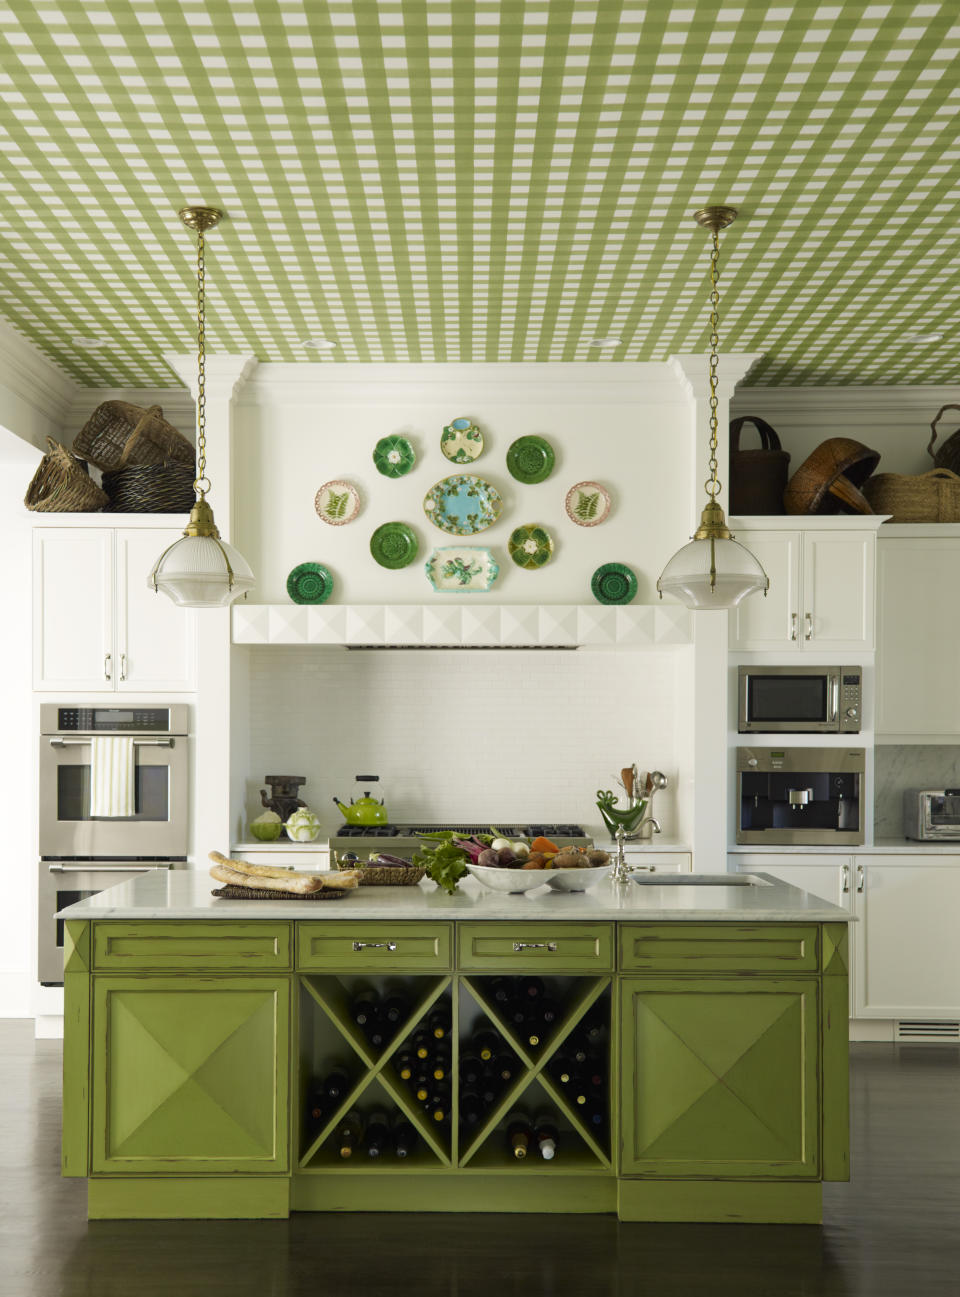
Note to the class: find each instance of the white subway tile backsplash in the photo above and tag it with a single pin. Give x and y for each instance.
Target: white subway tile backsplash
(477, 734)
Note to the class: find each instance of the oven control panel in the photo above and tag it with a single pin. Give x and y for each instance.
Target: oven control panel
(113, 720)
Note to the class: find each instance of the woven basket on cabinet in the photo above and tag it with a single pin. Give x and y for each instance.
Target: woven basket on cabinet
(923, 497)
(118, 434)
(151, 488)
(61, 484)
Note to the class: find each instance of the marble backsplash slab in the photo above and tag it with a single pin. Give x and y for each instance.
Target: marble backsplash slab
(903, 766)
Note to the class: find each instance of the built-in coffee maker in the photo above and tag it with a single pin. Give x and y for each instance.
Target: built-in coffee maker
(800, 796)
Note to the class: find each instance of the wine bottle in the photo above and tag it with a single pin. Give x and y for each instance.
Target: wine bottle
(516, 1011)
(396, 1006)
(438, 1105)
(404, 1137)
(421, 1044)
(438, 1023)
(519, 1136)
(336, 1084)
(490, 1086)
(377, 1134)
(316, 1103)
(440, 1064)
(365, 1005)
(485, 1040)
(405, 1063)
(531, 988)
(421, 1086)
(375, 1032)
(562, 1068)
(502, 1067)
(472, 1108)
(501, 989)
(349, 1133)
(546, 1134)
(550, 1011)
(470, 1069)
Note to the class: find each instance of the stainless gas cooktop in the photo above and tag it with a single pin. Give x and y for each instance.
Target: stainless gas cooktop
(404, 839)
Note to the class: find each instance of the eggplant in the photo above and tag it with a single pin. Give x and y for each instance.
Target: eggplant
(392, 862)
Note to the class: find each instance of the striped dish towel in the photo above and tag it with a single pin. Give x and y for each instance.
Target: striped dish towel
(112, 777)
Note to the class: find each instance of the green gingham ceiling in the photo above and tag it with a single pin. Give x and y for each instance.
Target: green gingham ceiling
(482, 180)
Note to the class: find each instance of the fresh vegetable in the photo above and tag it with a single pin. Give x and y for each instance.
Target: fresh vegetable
(544, 845)
(500, 844)
(505, 856)
(391, 862)
(488, 858)
(520, 850)
(448, 835)
(446, 863)
(473, 848)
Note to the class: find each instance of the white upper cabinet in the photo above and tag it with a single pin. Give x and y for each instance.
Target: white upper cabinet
(918, 685)
(97, 627)
(821, 593)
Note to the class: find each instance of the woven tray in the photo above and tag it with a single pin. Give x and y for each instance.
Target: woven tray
(150, 488)
(230, 893)
(389, 876)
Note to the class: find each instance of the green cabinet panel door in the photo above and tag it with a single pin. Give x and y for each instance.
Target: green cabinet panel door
(720, 1077)
(190, 1074)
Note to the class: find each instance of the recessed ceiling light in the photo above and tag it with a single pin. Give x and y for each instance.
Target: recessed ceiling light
(922, 337)
(319, 344)
(88, 344)
(606, 342)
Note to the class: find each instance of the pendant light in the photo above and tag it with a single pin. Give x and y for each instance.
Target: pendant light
(200, 570)
(713, 571)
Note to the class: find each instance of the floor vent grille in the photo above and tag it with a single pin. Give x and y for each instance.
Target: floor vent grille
(918, 1029)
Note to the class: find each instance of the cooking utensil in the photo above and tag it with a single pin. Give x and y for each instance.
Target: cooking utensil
(626, 776)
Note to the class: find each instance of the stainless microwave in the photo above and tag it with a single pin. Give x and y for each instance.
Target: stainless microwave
(800, 700)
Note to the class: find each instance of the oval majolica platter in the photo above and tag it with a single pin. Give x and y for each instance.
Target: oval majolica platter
(463, 505)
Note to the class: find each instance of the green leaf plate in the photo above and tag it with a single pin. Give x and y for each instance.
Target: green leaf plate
(613, 583)
(337, 503)
(462, 441)
(394, 544)
(461, 569)
(530, 546)
(530, 459)
(310, 583)
(587, 504)
(394, 456)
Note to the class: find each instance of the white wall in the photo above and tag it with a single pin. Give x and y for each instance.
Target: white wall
(481, 734)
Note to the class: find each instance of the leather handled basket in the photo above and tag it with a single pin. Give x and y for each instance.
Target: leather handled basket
(758, 476)
(924, 497)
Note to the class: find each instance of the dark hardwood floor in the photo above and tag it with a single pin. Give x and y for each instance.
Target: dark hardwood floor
(895, 1229)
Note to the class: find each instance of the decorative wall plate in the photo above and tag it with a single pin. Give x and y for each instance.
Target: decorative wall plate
(530, 546)
(462, 441)
(613, 583)
(337, 503)
(530, 459)
(587, 504)
(310, 583)
(394, 544)
(461, 569)
(463, 505)
(394, 456)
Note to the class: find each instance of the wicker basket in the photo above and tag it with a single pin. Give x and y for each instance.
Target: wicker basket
(926, 497)
(61, 484)
(150, 488)
(117, 434)
(386, 875)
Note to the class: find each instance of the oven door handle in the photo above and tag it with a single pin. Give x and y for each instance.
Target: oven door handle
(834, 697)
(85, 743)
(98, 868)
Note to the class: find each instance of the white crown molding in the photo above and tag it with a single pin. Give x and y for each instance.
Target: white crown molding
(888, 404)
(693, 369)
(227, 372)
(31, 377)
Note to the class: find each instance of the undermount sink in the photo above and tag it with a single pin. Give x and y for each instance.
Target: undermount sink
(701, 880)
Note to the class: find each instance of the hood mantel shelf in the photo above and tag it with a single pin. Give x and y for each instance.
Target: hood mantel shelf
(464, 626)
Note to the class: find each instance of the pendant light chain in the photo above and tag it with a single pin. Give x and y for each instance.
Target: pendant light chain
(202, 484)
(713, 486)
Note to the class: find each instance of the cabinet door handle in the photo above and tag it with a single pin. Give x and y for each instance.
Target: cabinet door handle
(123, 666)
(534, 945)
(808, 624)
(793, 625)
(108, 658)
(374, 945)
(860, 878)
(844, 878)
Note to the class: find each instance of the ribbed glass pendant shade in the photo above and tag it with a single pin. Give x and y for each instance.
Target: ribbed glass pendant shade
(196, 573)
(713, 573)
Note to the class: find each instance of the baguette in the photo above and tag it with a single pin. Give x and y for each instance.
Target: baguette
(298, 885)
(340, 882)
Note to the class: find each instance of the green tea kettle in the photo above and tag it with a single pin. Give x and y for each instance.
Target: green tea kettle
(364, 809)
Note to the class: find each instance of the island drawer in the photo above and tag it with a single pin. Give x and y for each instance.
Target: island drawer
(368, 947)
(191, 945)
(719, 947)
(557, 947)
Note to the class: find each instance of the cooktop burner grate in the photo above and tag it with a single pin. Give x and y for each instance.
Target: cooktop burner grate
(466, 830)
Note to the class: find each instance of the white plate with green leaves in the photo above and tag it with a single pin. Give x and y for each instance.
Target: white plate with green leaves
(337, 502)
(587, 504)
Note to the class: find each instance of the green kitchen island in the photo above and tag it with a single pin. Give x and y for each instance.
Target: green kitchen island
(194, 1027)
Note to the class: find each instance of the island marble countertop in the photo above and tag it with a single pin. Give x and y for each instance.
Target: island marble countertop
(186, 894)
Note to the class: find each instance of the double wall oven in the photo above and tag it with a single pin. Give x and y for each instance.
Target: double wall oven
(82, 853)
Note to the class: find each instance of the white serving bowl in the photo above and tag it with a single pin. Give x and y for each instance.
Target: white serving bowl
(510, 880)
(576, 880)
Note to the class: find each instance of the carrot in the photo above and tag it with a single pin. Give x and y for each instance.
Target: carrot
(544, 845)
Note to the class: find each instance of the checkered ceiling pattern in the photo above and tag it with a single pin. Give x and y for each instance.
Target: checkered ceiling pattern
(482, 180)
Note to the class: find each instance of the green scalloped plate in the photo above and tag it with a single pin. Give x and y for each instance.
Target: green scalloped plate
(394, 456)
(394, 544)
(310, 583)
(530, 546)
(530, 460)
(613, 583)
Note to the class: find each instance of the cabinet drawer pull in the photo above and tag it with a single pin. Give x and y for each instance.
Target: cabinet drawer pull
(808, 621)
(534, 945)
(123, 666)
(108, 658)
(845, 877)
(860, 878)
(793, 625)
(374, 945)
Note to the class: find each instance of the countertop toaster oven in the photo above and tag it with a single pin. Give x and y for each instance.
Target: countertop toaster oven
(931, 814)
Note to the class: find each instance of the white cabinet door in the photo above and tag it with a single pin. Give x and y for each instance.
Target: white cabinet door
(156, 640)
(918, 685)
(658, 862)
(771, 621)
(908, 956)
(837, 602)
(73, 609)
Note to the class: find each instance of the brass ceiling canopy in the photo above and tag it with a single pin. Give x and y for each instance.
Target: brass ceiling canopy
(200, 219)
